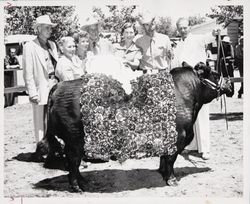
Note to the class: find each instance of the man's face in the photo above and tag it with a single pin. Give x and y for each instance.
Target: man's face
(149, 27)
(12, 52)
(183, 28)
(44, 31)
(93, 31)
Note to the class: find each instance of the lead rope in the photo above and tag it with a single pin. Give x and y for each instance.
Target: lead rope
(224, 59)
(224, 97)
(219, 43)
(218, 63)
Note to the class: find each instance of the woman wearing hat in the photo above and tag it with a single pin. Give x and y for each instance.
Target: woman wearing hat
(226, 61)
(39, 61)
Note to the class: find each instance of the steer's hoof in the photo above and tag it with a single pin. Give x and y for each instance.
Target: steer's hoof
(75, 188)
(172, 182)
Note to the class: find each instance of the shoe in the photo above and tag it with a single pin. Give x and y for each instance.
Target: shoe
(239, 95)
(205, 156)
(83, 165)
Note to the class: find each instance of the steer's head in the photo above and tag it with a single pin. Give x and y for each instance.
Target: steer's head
(214, 85)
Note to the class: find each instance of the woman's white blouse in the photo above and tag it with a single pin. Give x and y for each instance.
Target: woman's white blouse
(67, 69)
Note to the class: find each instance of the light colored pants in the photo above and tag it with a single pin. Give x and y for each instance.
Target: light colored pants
(201, 141)
(39, 121)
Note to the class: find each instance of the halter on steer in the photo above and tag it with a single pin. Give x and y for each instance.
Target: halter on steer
(212, 85)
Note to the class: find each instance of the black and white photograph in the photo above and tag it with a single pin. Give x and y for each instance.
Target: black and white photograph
(124, 101)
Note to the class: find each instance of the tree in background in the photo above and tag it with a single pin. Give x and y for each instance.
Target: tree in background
(194, 20)
(117, 18)
(120, 15)
(164, 26)
(225, 14)
(20, 19)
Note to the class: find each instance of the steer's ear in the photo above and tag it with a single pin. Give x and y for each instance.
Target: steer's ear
(202, 70)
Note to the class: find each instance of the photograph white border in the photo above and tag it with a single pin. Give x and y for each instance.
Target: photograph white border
(190, 200)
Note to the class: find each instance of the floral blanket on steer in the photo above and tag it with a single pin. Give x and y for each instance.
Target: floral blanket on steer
(121, 126)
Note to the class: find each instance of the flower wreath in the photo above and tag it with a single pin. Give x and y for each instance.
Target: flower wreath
(121, 126)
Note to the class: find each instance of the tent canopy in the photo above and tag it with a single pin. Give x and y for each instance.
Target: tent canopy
(207, 27)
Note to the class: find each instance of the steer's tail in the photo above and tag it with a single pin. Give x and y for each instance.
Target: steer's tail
(43, 146)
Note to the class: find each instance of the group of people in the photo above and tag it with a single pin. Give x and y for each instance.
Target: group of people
(87, 52)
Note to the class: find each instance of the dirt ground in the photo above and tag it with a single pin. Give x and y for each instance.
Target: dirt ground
(221, 176)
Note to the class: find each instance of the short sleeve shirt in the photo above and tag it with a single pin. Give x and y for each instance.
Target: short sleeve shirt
(130, 54)
(67, 69)
(155, 51)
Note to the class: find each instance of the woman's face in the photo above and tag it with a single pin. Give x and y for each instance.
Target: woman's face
(83, 44)
(129, 34)
(69, 48)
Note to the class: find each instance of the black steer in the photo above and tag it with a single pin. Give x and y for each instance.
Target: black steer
(193, 88)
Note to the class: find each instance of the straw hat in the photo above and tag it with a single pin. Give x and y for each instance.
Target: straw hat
(90, 21)
(44, 19)
(146, 18)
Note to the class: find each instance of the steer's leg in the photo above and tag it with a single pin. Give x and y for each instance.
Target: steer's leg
(167, 169)
(74, 153)
(185, 136)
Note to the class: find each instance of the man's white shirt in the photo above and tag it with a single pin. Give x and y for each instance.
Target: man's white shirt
(191, 50)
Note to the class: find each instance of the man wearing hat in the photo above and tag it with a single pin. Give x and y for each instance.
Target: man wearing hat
(226, 58)
(156, 47)
(97, 45)
(39, 61)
